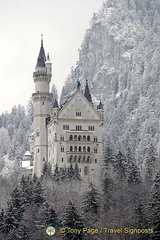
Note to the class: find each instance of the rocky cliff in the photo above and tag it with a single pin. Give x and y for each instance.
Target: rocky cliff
(120, 57)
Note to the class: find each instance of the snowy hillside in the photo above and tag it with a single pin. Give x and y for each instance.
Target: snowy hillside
(120, 56)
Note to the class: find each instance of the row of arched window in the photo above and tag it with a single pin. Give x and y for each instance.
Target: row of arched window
(79, 149)
(78, 128)
(79, 138)
(91, 128)
(80, 159)
(78, 114)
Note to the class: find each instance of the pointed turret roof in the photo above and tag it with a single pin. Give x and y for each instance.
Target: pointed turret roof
(41, 57)
(55, 105)
(100, 105)
(48, 58)
(87, 92)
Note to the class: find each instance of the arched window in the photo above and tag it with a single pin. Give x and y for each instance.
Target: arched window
(85, 170)
(75, 158)
(70, 137)
(75, 137)
(88, 159)
(71, 148)
(62, 138)
(95, 139)
(75, 148)
(84, 158)
(95, 150)
(88, 138)
(84, 138)
(62, 149)
(79, 138)
(71, 158)
(88, 149)
(79, 159)
(84, 149)
(80, 149)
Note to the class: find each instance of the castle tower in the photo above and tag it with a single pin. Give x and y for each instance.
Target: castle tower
(42, 107)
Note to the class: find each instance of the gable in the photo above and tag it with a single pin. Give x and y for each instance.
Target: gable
(78, 107)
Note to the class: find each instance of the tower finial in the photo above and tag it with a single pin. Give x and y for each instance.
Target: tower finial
(42, 39)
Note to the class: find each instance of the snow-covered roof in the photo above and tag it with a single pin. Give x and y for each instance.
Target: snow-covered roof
(27, 153)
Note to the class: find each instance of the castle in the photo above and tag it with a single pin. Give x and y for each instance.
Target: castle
(71, 133)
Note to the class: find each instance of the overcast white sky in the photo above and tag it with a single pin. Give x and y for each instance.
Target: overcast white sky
(63, 24)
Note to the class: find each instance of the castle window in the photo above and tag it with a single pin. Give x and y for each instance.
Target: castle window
(84, 138)
(62, 159)
(84, 149)
(84, 158)
(70, 137)
(62, 149)
(75, 158)
(38, 150)
(88, 138)
(95, 150)
(78, 114)
(80, 149)
(91, 128)
(78, 128)
(79, 138)
(75, 148)
(71, 148)
(85, 170)
(88, 158)
(37, 133)
(43, 159)
(79, 159)
(65, 127)
(43, 103)
(95, 139)
(71, 157)
(88, 149)
(75, 137)
(62, 138)
(95, 160)
(79, 169)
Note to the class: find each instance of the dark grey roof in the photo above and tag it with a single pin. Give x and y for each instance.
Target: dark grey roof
(55, 105)
(87, 92)
(41, 57)
(100, 106)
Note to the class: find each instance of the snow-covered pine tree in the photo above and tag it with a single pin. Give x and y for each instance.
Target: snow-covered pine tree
(46, 171)
(91, 204)
(13, 214)
(71, 172)
(155, 209)
(121, 166)
(73, 220)
(107, 185)
(109, 153)
(132, 171)
(140, 219)
(56, 174)
(50, 217)
(38, 193)
(77, 175)
(26, 190)
(150, 163)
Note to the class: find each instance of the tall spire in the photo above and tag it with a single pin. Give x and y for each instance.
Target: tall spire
(87, 92)
(41, 57)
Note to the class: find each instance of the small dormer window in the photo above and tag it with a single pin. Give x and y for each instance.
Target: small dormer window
(78, 113)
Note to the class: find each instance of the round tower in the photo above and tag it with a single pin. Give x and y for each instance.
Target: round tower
(42, 106)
